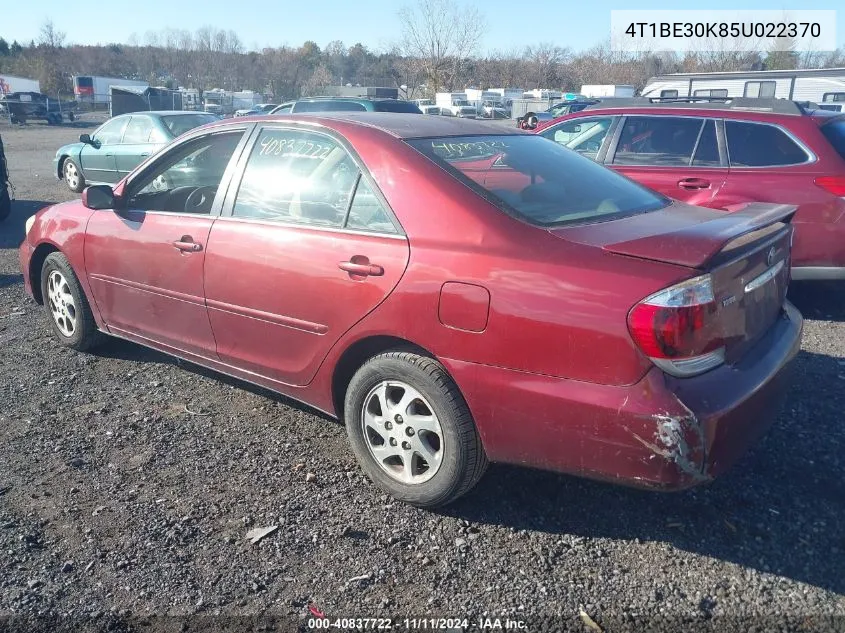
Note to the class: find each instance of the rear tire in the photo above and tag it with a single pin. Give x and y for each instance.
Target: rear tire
(406, 409)
(74, 179)
(67, 307)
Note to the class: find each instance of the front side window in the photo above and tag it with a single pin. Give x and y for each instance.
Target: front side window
(659, 141)
(585, 136)
(760, 89)
(542, 183)
(833, 97)
(138, 130)
(111, 132)
(760, 145)
(296, 176)
(186, 179)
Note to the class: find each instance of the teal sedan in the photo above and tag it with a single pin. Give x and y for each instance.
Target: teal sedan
(120, 144)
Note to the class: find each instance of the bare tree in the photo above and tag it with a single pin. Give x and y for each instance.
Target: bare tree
(544, 60)
(317, 83)
(442, 36)
(50, 37)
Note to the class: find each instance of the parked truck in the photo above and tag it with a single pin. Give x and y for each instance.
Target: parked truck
(96, 90)
(455, 104)
(10, 83)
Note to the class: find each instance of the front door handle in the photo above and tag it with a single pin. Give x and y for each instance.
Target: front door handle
(144, 154)
(694, 183)
(361, 266)
(187, 244)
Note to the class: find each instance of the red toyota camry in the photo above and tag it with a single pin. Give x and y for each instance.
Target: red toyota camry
(454, 291)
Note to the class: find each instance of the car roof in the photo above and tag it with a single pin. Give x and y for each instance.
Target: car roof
(399, 124)
(163, 112)
(346, 99)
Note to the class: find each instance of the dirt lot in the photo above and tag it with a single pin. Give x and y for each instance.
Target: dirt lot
(129, 480)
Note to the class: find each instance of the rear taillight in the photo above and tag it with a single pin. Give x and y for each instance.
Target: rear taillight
(832, 184)
(678, 329)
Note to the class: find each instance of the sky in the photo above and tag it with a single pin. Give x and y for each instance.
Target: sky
(511, 24)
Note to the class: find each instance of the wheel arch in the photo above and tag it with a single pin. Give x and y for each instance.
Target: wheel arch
(36, 263)
(358, 353)
(60, 166)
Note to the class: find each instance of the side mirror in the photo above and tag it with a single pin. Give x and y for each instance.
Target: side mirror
(85, 138)
(99, 197)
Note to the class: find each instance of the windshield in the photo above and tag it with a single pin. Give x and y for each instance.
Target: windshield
(538, 180)
(396, 106)
(835, 133)
(179, 124)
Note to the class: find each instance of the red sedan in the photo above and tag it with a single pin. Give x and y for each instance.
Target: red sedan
(454, 291)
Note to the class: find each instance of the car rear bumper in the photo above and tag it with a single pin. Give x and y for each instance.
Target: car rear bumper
(661, 432)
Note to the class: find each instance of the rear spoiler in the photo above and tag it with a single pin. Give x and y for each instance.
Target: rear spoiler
(698, 245)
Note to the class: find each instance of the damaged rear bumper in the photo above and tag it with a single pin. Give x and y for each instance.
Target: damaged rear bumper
(662, 432)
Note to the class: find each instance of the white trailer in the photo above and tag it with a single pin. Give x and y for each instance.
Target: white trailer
(97, 89)
(817, 85)
(10, 83)
(607, 90)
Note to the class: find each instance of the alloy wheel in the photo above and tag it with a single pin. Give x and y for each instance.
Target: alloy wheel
(62, 305)
(402, 432)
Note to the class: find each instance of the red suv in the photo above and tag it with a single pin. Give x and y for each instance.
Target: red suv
(725, 155)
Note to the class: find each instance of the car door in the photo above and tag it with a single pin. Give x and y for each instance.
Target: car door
(679, 156)
(144, 260)
(135, 146)
(97, 158)
(305, 248)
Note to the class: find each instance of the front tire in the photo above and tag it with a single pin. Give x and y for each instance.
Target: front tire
(411, 429)
(73, 176)
(67, 307)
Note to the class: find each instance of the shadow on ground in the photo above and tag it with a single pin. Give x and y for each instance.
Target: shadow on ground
(12, 228)
(823, 300)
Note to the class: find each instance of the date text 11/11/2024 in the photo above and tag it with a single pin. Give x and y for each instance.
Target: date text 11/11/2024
(416, 624)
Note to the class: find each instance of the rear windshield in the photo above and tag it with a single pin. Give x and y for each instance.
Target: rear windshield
(179, 124)
(538, 180)
(84, 82)
(835, 133)
(397, 106)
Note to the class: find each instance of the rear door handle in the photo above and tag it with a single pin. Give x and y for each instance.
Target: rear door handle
(145, 154)
(361, 267)
(694, 183)
(187, 244)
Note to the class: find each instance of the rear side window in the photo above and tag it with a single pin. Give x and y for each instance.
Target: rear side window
(833, 97)
(329, 106)
(299, 177)
(585, 136)
(397, 106)
(761, 145)
(707, 150)
(835, 133)
(657, 141)
(668, 94)
(138, 130)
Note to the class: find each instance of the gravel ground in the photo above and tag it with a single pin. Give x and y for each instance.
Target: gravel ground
(128, 482)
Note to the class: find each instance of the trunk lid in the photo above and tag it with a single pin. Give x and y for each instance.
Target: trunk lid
(747, 254)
